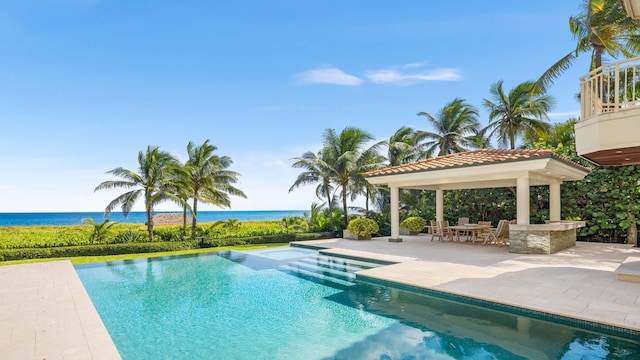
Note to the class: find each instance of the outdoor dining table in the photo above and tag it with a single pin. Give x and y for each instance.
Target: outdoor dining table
(472, 231)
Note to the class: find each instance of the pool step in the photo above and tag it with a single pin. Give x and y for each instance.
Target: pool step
(333, 263)
(315, 276)
(360, 264)
(324, 270)
(329, 270)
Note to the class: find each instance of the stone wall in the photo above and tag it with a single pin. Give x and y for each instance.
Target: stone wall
(543, 241)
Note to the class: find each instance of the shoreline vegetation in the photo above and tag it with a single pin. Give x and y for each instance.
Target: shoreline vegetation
(111, 238)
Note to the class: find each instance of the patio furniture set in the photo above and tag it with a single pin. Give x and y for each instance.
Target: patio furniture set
(480, 232)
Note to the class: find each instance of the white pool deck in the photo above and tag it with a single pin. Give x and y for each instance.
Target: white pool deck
(45, 312)
(578, 282)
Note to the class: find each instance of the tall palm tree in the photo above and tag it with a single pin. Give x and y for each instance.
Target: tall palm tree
(369, 160)
(152, 182)
(316, 171)
(181, 186)
(517, 113)
(455, 127)
(601, 27)
(402, 147)
(210, 180)
(348, 156)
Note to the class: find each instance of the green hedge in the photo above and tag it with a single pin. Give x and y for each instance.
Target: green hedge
(149, 247)
(94, 250)
(264, 239)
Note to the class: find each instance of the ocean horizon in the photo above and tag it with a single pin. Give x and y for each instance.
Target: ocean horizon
(136, 217)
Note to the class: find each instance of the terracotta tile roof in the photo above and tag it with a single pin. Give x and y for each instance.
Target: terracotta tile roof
(472, 158)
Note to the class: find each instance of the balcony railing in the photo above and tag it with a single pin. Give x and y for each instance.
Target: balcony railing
(610, 88)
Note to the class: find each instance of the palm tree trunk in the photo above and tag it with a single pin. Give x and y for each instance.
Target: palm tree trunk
(598, 56)
(345, 220)
(366, 202)
(195, 216)
(512, 140)
(184, 219)
(333, 223)
(149, 223)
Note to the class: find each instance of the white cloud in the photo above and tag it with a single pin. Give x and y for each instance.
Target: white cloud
(328, 75)
(398, 76)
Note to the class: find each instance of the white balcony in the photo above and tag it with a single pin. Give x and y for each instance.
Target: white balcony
(609, 130)
(632, 8)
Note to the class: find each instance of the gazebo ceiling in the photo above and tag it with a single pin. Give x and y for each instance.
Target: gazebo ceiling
(477, 169)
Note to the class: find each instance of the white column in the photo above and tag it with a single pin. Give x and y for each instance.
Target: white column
(395, 213)
(522, 199)
(554, 202)
(439, 205)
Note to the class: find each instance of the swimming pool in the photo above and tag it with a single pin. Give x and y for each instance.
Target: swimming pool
(296, 304)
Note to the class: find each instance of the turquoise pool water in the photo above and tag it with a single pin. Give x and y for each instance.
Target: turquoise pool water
(270, 305)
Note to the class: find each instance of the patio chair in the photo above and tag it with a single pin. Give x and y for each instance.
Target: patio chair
(434, 230)
(464, 221)
(497, 236)
(485, 230)
(444, 230)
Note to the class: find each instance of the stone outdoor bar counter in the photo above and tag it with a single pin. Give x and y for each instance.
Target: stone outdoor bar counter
(543, 238)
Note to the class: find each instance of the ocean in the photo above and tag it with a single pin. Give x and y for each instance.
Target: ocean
(75, 218)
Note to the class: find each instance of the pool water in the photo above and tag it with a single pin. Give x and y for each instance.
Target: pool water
(296, 304)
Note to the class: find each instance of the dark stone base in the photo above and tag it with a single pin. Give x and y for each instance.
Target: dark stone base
(395, 240)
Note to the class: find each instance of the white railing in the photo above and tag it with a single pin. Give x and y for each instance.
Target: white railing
(610, 88)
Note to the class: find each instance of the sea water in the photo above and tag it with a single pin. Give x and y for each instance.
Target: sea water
(140, 217)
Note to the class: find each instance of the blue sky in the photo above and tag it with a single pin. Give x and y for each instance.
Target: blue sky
(86, 84)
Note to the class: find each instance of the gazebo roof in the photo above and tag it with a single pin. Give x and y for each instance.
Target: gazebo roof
(485, 168)
(170, 219)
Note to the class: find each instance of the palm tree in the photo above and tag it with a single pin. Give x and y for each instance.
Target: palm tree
(348, 157)
(209, 179)
(181, 185)
(455, 127)
(369, 160)
(561, 134)
(100, 230)
(152, 182)
(402, 147)
(601, 27)
(516, 114)
(316, 171)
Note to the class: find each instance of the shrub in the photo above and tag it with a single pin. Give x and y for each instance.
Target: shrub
(414, 224)
(263, 239)
(363, 226)
(94, 250)
(169, 233)
(130, 236)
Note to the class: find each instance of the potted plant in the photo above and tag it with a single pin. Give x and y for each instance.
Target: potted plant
(362, 227)
(414, 224)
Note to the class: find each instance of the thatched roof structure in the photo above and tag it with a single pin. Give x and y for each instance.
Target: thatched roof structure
(170, 219)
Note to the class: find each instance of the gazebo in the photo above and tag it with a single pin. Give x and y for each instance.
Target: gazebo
(487, 168)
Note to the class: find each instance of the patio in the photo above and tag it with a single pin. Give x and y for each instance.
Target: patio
(578, 282)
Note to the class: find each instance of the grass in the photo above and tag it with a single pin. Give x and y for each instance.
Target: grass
(92, 259)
